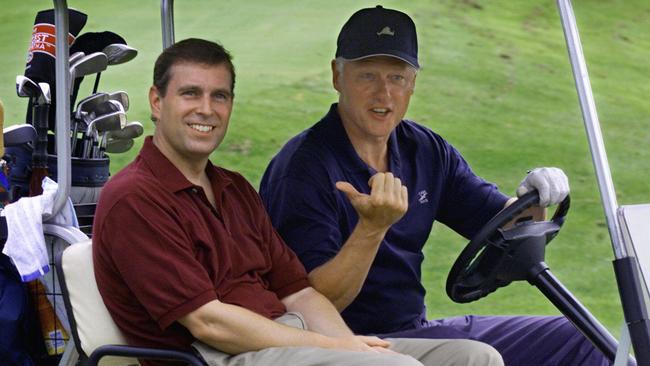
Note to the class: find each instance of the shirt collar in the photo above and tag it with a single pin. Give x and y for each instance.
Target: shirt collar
(336, 136)
(172, 178)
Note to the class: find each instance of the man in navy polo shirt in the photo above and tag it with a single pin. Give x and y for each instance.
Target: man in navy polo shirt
(356, 195)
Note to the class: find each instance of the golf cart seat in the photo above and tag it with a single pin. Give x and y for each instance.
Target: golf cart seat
(95, 335)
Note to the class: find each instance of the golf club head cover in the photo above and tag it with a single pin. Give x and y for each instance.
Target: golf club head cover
(91, 42)
(551, 184)
(42, 51)
(88, 43)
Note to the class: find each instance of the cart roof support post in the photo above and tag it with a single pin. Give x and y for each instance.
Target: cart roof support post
(62, 106)
(592, 126)
(167, 22)
(626, 267)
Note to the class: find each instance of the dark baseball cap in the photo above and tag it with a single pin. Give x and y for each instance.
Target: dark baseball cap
(378, 32)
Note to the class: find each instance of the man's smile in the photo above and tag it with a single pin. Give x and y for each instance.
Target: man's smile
(380, 111)
(201, 128)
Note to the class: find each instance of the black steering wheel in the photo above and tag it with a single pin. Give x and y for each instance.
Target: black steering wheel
(497, 256)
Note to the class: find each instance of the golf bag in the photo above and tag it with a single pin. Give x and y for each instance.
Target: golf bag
(88, 176)
(22, 337)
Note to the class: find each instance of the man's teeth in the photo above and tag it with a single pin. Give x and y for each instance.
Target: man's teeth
(380, 110)
(202, 128)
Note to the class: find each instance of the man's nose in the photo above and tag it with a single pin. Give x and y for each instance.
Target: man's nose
(205, 105)
(382, 88)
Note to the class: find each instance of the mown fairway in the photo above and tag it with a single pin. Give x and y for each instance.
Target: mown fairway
(496, 82)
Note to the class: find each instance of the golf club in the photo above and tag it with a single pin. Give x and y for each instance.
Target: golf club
(45, 93)
(86, 65)
(90, 104)
(85, 108)
(75, 57)
(131, 130)
(114, 146)
(117, 53)
(107, 122)
(118, 107)
(38, 93)
(40, 99)
(106, 116)
(89, 109)
(100, 129)
(26, 88)
(122, 97)
(19, 134)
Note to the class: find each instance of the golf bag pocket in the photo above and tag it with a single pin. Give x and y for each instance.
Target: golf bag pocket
(19, 162)
(85, 172)
(91, 173)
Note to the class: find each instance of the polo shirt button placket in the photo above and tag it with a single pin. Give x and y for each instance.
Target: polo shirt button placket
(198, 191)
(203, 198)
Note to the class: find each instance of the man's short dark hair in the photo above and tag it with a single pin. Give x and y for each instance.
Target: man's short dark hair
(191, 50)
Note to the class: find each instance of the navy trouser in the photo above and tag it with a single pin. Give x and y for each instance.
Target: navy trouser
(521, 340)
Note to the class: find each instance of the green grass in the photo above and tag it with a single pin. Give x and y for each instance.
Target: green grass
(496, 82)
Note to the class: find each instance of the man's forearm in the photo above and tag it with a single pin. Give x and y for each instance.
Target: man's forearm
(319, 313)
(233, 329)
(340, 279)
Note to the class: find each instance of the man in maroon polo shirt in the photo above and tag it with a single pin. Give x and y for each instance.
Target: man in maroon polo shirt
(185, 255)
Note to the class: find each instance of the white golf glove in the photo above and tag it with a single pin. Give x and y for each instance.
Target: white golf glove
(551, 184)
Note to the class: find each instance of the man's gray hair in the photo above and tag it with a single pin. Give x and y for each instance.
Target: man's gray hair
(340, 62)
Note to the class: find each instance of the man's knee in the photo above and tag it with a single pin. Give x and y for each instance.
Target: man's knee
(483, 354)
(474, 353)
(447, 352)
(395, 360)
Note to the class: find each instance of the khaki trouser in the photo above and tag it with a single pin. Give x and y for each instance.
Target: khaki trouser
(411, 352)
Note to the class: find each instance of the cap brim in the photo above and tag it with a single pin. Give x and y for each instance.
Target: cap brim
(410, 62)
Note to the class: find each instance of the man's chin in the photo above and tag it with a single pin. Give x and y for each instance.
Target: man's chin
(201, 150)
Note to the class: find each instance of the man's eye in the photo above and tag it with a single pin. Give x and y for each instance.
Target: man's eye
(367, 76)
(397, 77)
(189, 93)
(222, 97)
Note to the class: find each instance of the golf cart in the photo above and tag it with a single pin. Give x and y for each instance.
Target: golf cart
(496, 256)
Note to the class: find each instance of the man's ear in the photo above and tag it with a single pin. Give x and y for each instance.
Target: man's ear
(413, 83)
(154, 103)
(335, 77)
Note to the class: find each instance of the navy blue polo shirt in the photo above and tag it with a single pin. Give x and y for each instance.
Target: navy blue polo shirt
(315, 219)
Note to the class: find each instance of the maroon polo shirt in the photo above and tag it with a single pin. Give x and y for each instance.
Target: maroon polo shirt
(161, 250)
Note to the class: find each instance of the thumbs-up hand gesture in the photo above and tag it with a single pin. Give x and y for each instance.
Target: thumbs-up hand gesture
(384, 206)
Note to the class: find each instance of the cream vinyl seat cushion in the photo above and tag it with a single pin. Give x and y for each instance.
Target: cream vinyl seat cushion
(94, 324)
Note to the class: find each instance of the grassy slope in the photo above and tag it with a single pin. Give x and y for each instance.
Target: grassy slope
(496, 83)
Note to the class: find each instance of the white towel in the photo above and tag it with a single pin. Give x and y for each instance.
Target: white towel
(25, 243)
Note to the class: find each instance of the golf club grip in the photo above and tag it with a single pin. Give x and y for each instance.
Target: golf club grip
(40, 123)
